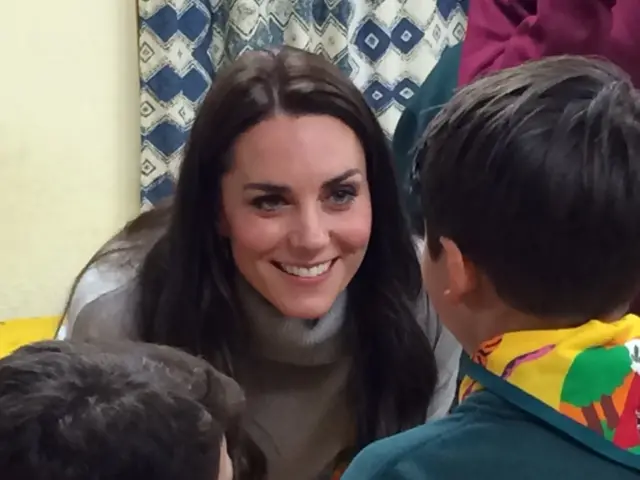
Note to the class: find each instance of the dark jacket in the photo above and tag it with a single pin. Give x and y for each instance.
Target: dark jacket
(436, 90)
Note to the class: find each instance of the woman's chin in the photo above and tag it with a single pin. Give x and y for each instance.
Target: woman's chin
(301, 300)
(306, 309)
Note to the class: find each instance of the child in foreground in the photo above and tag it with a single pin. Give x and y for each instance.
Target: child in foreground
(531, 196)
(72, 411)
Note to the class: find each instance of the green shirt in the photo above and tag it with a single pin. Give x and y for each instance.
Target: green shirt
(485, 438)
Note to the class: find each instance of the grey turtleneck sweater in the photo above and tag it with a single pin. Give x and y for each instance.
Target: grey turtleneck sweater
(295, 379)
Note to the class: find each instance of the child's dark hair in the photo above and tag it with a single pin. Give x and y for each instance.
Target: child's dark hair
(72, 411)
(534, 172)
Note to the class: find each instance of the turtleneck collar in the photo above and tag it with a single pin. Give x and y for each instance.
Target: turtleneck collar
(293, 340)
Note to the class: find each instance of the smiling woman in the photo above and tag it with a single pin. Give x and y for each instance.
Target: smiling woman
(286, 261)
(297, 211)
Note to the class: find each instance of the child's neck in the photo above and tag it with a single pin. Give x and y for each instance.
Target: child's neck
(505, 319)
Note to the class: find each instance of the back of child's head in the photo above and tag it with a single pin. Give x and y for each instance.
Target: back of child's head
(72, 411)
(534, 173)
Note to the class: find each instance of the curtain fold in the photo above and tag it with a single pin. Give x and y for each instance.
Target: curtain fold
(387, 47)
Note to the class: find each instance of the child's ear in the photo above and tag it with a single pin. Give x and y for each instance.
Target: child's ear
(462, 274)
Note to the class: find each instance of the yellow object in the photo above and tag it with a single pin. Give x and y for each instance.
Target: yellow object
(18, 332)
(69, 143)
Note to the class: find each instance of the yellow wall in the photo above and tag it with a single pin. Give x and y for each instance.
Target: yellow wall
(69, 142)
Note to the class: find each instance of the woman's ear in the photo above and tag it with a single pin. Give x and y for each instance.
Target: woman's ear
(462, 274)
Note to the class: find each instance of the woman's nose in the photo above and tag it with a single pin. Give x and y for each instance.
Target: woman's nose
(310, 231)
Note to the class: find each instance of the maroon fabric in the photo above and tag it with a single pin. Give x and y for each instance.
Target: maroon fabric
(505, 33)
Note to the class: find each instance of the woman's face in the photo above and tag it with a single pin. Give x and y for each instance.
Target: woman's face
(297, 211)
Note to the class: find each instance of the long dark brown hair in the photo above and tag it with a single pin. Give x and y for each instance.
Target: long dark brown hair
(187, 294)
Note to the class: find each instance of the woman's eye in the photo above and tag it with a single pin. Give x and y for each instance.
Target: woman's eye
(268, 203)
(343, 195)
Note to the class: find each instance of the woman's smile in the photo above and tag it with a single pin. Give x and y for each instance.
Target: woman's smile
(317, 271)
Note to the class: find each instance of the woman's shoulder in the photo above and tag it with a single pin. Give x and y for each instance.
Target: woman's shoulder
(446, 349)
(98, 279)
(110, 316)
(105, 291)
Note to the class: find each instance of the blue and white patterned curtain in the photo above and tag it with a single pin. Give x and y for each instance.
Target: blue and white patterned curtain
(387, 47)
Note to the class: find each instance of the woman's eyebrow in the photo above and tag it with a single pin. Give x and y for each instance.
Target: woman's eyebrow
(337, 180)
(267, 187)
(273, 188)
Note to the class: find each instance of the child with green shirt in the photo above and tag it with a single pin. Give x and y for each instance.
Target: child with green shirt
(530, 184)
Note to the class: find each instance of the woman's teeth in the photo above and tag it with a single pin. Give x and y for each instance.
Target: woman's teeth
(314, 271)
